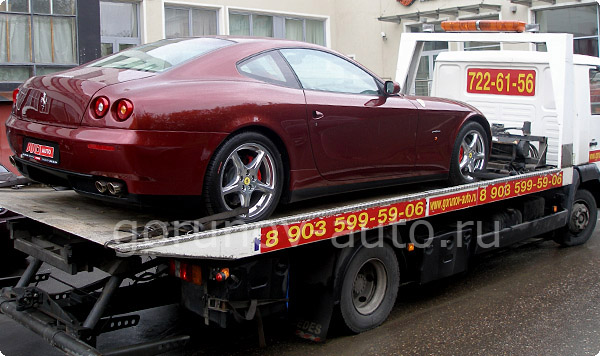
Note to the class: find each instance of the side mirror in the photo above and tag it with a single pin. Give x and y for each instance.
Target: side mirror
(391, 87)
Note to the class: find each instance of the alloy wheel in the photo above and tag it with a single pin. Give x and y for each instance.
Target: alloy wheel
(472, 154)
(248, 179)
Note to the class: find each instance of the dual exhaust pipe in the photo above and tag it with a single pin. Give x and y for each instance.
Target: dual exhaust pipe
(113, 188)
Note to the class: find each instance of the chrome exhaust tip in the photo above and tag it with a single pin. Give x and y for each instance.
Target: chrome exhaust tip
(101, 186)
(115, 188)
(12, 160)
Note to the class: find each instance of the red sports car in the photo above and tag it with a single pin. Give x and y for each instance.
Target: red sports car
(236, 122)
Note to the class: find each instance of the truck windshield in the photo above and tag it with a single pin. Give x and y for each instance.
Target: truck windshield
(161, 55)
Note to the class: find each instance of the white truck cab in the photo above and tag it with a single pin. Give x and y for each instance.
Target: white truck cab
(557, 91)
(510, 87)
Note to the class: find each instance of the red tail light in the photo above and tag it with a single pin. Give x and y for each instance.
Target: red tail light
(184, 272)
(124, 109)
(101, 106)
(188, 272)
(15, 93)
(222, 275)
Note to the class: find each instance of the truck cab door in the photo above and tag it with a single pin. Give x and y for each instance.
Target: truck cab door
(589, 115)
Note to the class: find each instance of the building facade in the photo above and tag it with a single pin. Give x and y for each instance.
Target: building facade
(42, 36)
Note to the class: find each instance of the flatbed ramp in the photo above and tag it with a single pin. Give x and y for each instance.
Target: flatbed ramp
(111, 225)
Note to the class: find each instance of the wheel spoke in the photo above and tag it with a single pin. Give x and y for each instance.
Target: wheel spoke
(471, 168)
(237, 162)
(480, 156)
(232, 187)
(463, 162)
(465, 146)
(244, 200)
(257, 161)
(264, 188)
(474, 140)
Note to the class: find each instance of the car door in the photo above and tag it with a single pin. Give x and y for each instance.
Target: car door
(356, 132)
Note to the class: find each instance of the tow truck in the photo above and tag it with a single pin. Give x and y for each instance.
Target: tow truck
(344, 256)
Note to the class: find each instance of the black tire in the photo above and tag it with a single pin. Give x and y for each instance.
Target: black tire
(457, 175)
(582, 221)
(367, 267)
(222, 170)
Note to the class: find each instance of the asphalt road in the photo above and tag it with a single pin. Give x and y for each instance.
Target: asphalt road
(533, 299)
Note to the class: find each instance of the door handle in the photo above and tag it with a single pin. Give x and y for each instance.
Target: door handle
(317, 115)
(593, 143)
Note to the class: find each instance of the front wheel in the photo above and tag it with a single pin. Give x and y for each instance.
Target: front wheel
(582, 220)
(247, 172)
(369, 288)
(470, 153)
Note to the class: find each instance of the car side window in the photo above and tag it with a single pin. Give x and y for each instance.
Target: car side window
(268, 67)
(318, 70)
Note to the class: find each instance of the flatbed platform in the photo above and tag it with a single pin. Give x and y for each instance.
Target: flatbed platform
(315, 220)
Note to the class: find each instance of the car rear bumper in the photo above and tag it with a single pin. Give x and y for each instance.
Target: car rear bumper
(158, 163)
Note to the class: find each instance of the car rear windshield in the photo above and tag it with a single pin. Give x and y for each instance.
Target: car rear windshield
(161, 55)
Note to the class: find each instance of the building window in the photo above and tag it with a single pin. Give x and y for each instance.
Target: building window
(307, 30)
(581, 21)
(36, 37)
(293, 28)
(184, 22)
(119, 27)
(251, 25)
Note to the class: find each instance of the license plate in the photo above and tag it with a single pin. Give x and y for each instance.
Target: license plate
(42, 151)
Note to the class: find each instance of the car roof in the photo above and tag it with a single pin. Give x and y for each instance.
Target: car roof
(264, 43)
(243, 47)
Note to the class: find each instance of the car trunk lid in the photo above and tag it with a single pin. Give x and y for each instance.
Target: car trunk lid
(61, 99)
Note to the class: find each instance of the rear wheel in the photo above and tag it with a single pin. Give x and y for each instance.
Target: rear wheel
(246, 171)
(369, 288)
(470, 153)
(582, 221)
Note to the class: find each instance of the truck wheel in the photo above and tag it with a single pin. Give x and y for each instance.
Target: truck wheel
(582, 222)
(369, 288)
(470, 153)
(246, 171)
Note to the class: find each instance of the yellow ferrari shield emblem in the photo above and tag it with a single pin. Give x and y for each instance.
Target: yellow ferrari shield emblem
(247, 180)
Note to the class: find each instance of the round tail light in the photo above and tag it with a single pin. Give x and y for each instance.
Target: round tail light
(124, 109)
(15, 94)
(101, 106)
